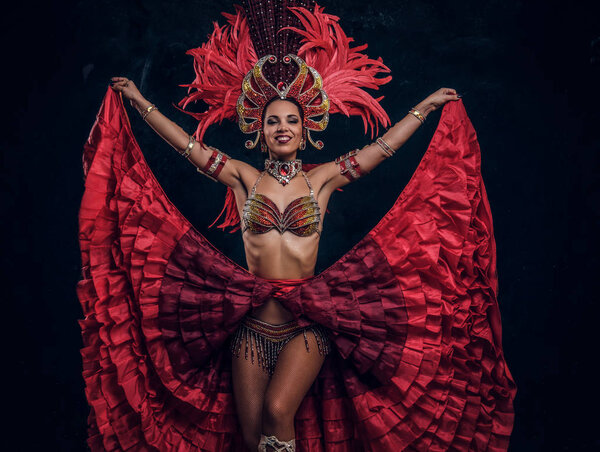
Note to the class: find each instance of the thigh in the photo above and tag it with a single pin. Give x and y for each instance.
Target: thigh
(295, 372)
(249, 385)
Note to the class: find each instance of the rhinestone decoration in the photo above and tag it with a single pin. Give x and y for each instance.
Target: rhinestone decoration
(257, 91)
(301, 217)
(267, 340)
(284, 172)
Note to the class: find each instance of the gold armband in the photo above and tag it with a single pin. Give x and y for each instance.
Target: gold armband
(386, 147)
(188, 149)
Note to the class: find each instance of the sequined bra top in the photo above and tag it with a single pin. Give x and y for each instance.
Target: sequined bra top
(302, 216)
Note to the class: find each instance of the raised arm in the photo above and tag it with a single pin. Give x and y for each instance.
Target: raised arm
(207, 160)
(357, 163)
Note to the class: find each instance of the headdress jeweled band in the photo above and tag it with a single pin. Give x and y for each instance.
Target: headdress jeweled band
(257, 92)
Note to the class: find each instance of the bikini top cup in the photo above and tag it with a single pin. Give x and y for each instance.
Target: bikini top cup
(302, 216)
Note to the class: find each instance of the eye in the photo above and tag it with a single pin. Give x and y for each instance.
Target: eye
(293, 121)
(271, 121)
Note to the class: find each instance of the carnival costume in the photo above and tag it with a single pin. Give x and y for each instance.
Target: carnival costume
(408, 318)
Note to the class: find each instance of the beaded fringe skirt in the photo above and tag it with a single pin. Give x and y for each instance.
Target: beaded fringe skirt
(268, 340)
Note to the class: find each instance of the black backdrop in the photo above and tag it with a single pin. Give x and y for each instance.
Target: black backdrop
(529, 72)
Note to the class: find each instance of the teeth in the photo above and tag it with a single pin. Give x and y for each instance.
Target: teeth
(283, 139)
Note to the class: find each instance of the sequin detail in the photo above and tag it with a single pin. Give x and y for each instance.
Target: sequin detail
(267, 340)
(302, 216)
(349, 166)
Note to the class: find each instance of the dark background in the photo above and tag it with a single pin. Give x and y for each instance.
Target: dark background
(529, 73)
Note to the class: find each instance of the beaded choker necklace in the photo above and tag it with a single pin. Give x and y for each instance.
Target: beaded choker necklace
(283, 171)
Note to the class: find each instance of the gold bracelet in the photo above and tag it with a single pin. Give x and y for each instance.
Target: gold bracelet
(386, 147)
(188, 149)
(417, 114)
(148, 110)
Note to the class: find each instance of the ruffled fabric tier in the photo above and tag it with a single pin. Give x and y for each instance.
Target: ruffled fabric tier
(411, 310)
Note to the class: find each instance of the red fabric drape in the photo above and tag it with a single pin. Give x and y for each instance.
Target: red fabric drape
(411, 309)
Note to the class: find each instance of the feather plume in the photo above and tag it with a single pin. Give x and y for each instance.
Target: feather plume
(220, 65)
(344, 69)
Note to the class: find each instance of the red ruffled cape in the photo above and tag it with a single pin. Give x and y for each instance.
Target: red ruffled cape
(417, 359)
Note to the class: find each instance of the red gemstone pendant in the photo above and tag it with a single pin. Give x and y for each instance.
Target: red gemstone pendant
(283, 171)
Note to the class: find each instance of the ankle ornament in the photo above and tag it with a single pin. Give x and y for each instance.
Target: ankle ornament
(275, 444)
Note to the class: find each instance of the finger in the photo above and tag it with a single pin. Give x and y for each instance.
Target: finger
(119, 80)
(451, 94)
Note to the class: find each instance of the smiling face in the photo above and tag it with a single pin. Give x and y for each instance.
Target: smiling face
(282, 128)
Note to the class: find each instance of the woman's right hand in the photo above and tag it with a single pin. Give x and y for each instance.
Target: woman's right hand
(128, 89)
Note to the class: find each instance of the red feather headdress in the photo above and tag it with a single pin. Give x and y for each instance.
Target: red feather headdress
(328, 76)
(229, 59)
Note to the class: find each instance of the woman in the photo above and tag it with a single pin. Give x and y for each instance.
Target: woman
(395, 346)
(267, 404)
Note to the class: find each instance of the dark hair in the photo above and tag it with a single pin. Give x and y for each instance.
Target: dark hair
(287, 99)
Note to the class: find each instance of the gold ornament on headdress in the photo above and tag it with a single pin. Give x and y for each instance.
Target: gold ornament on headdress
(257, 91)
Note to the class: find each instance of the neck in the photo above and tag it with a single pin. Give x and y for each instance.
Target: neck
(285, 158)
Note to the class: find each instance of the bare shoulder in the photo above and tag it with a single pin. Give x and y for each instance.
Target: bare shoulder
(321, 172)
(247, 173)
(321, 175)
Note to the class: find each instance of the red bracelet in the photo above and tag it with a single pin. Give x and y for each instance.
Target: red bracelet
(215, 164)
(349, 166)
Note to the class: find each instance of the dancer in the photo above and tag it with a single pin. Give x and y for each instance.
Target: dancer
(375, 353)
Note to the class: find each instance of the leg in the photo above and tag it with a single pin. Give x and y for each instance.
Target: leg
(249, 384)
(294, 374)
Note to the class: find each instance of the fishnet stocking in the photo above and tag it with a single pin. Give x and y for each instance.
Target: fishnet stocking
(266, 405)
(249, 386)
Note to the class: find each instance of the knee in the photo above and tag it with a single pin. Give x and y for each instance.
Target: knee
(276, 411)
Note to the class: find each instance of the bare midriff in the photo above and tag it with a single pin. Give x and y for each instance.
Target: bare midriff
(272, 255)
(279, 256)
(272, 312)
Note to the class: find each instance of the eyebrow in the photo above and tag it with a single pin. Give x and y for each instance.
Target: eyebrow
(277, 117)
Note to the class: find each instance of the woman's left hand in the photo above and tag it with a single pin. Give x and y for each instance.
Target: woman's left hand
(437, 100)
